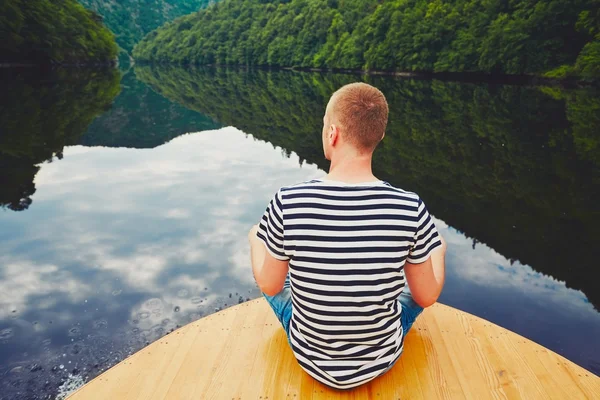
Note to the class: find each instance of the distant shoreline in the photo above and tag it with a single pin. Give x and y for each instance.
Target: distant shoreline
(473, 77)
(448, 76)
(112, 63)
(468, 77)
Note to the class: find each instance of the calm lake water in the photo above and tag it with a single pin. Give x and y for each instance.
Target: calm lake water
(126, 200)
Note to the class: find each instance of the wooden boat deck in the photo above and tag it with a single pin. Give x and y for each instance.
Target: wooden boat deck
(242, 353)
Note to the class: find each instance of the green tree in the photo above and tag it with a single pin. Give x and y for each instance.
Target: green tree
(44, 31)
(131, 20)
(492, 36)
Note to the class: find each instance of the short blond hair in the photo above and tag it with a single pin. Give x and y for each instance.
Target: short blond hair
(362, 111)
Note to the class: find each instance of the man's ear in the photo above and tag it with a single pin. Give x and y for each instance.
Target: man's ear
(334, 133)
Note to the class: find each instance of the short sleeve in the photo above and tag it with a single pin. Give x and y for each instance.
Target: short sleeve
(426, 237)
(271, 228)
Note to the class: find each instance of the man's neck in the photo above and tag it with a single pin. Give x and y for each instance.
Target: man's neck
(351, 168)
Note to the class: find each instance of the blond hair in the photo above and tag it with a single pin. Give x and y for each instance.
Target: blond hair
(362, 111)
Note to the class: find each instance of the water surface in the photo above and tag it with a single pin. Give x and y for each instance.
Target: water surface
(126, 204)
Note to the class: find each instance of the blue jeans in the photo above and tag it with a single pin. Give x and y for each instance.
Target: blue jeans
(281, 304)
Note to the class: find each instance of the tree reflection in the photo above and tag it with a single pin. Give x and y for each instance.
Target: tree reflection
(41, 112)
(514, 167)
(141, 118)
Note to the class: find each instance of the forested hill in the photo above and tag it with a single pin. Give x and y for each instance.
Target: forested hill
(130, 20)
(44, 31)
(492, 36)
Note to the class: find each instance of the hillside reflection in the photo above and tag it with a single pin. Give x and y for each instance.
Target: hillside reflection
(516, 168)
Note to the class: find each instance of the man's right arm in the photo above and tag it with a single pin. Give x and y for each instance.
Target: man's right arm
(426, 279)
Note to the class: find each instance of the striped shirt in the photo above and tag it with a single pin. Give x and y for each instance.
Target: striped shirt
(347, 245)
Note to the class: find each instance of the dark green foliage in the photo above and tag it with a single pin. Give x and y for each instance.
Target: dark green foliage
(53, 31)
(518, 168)
(40, 115)
(588, 61)
(492, 36)
(131, 20)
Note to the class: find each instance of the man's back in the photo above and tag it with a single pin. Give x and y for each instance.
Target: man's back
(332, 257)
(347, 245)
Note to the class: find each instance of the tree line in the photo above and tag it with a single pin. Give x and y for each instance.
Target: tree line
(555, 37)
(45, 31)
(131, 20)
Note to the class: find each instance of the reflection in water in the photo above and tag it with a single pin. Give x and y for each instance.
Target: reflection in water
(123, 245)
(39, 116)
(537, 306)
(517, 168)
(141, 118)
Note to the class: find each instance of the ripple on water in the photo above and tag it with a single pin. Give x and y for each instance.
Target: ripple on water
(6, 333)
(196, 300)
(157, 312)
(75, 348)
(145, 334)
(74, 331)
(143, 315)
(100, 324)
(36, 368)
(17, 370)
(116, 355)
(153, 303)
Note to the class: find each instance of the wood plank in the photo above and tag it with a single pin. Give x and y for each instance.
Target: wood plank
(477, 343)
(232, 355)
(450, 356)
(522, 375)
(243, 353)
(265, 358)
(435, 382)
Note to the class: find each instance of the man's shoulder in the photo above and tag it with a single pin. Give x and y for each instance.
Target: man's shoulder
(382, 187)
(401, 192)
(313, 183)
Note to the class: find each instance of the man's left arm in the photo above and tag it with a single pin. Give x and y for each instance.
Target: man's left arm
(269, 272)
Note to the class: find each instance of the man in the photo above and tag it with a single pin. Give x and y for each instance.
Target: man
(350, 244)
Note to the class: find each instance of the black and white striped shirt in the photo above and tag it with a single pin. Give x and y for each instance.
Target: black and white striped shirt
(347, 245)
